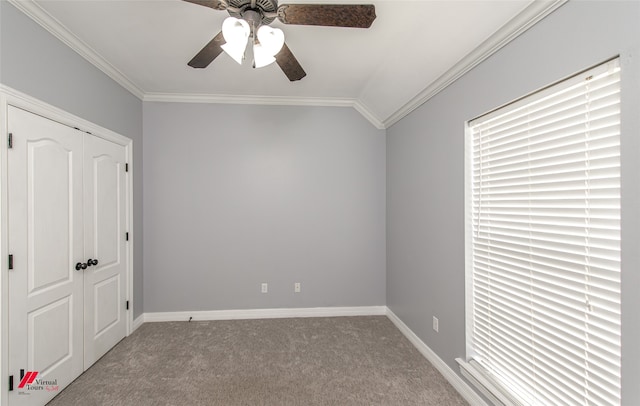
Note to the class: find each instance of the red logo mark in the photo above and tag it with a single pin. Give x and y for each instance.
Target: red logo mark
(28, 379)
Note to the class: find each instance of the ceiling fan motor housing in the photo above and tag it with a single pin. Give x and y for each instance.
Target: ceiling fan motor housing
(266, 8)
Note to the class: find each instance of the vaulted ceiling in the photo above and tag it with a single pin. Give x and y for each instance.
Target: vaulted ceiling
(413, 49)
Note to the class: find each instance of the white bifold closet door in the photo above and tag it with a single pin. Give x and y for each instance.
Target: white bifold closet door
(66, 204)
(104, 240)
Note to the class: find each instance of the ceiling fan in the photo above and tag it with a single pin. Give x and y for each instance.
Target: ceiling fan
(252, 19)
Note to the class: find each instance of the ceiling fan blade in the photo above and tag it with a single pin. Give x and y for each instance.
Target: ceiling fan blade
(289, 64)
(334, 15)
(214, 4)
(208, 53)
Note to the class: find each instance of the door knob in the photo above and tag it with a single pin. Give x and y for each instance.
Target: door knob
(92, 262)
(80, 266)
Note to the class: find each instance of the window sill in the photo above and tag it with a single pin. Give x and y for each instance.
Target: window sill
(485, 385)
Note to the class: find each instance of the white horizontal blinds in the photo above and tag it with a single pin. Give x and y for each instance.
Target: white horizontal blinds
(546, 242)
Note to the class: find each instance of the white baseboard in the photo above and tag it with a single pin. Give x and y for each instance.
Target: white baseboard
(265, 313)
(137, 322)
(454, 379)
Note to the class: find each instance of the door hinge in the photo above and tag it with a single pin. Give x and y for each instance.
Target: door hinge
(10, 382)
(126, 236)
(10, 140)
(127, 305)
(10, 261)
(126, 167)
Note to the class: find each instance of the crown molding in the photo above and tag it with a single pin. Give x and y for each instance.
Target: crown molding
(265, 100)
(535, 12)
(246, 99)
(58, 30)
(368, 114)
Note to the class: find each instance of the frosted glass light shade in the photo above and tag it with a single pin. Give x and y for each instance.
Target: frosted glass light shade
(236, 32)
(270, 43)
(261, 56)
(271, 39)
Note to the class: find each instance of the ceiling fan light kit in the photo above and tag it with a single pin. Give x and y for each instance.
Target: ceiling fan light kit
(251, 19)
(272, 39)
(236, 32)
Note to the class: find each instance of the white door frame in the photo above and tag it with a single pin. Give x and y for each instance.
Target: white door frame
(11, 97)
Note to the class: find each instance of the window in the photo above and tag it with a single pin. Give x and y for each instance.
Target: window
(543, 245)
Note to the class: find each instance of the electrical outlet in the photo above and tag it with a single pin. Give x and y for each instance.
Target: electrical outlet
(435, 323)
(265, 288)
(296, 287)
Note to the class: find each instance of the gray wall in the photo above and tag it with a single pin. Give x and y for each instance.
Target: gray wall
(36, 63)
(239, 195)
(425, 177)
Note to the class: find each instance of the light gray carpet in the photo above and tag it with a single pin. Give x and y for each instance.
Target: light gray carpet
(306, 361)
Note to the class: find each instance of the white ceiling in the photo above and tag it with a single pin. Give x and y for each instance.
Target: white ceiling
(412, 50)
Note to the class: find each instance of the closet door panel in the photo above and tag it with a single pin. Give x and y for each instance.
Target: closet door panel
(46, 240)
(105, 220)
